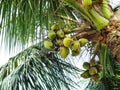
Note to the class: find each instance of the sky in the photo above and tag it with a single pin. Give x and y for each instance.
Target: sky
(114, 3)
(5, 55)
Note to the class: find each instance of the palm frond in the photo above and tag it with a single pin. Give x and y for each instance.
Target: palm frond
(38, 69)
(24, 21)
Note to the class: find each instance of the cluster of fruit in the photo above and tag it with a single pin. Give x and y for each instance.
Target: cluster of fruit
(62, 41)
(92, 70)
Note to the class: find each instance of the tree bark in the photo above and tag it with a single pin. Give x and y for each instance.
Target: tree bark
(110, 36)
(113, 39)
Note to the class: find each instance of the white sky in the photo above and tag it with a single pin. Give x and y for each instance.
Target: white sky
(4, 54)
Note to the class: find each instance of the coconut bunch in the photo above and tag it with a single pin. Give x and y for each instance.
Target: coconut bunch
(62, 41)
(92, 70)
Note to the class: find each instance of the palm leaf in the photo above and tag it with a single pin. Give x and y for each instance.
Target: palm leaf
(24, 21)
(37, 68)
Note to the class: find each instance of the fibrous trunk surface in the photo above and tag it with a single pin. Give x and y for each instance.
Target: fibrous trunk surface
(110, 36)
(113, 39)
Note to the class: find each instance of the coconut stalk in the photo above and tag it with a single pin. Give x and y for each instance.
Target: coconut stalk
(99, 21)
(91, 15)
(106, 10)
(74, 4)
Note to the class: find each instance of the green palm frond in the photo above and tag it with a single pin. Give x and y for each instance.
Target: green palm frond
(38, 69)
(24, 21)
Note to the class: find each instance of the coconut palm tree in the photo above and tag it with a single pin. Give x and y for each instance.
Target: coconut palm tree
(46, 65)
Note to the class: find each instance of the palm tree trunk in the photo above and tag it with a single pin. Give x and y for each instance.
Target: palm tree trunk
(113, 39)
(109, 36)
